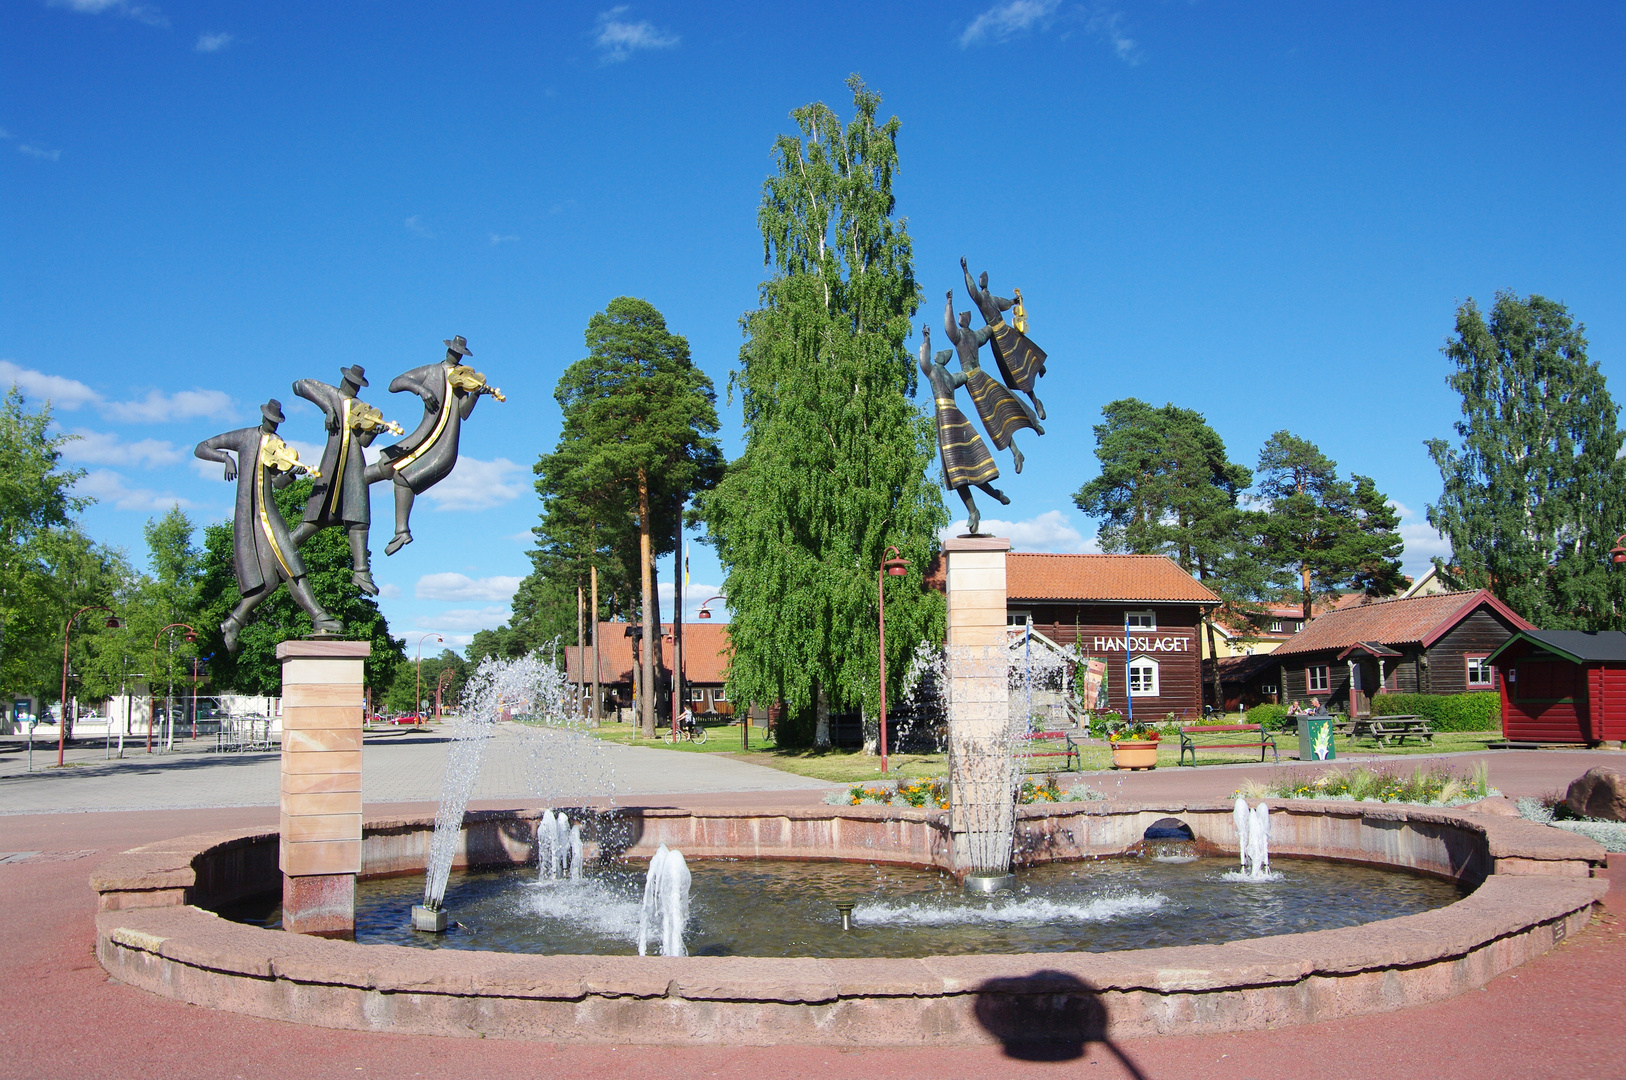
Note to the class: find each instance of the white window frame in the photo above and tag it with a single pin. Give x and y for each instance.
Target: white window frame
(1310, 686)
(1018, 618)
(1275, 626)
(1142, 686)
(1147, 620)
(718, 695)
(1487, 672)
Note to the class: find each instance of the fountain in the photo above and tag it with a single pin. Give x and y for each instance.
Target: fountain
(666, 902)
(1253, 842)
(558, 848)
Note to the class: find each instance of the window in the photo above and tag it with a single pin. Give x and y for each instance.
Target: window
(1294, 627)
(1143, 677)
(696, 694)
(1275, 626)
(1018, 618)
(1140, 620)
(1481, 676)
(1267, 688)
(1319, 679)
(718, 695)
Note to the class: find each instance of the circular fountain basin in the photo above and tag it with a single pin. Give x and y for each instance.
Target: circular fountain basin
(1527, 888)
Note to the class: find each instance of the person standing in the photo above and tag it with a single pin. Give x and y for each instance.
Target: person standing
(263, 552)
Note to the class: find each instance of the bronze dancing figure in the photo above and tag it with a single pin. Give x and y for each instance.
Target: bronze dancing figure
(966, 460)
(1002, 413)
(264, 554)
(1021, 362)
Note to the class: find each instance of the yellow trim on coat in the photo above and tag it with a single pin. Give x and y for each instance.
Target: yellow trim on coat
(336, 480)
(259, 502)
(446, 405)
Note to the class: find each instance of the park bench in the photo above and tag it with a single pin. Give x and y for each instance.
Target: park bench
(1384, 728)
(1226, 737)
(1038, 744)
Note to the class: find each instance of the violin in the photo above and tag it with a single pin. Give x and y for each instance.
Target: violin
(1019, 314)
(466, 378)
(366, 418)
(278, 455)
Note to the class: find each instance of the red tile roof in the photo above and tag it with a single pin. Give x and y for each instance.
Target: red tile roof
(705, 658)
(1401, 621)
(1101, 577)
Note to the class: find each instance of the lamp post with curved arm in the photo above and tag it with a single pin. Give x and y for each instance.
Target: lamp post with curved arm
(191, 636)
(62, 724)
(417, 699)
(896, 566)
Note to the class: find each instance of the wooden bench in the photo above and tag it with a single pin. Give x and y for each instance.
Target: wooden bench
(1037, 744)
(1384, 728)
(1232, 736)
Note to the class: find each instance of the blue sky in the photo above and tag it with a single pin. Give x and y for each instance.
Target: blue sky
(1266, 212)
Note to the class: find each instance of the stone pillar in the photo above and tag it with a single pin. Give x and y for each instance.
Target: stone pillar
(323, 709)
(978, 701)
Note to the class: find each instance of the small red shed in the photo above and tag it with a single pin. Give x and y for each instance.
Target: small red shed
(1563, 686)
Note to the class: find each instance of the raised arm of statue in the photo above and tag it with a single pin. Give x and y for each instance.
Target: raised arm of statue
(312, 391)
(971, 284)
(949, 328)
(215, 449)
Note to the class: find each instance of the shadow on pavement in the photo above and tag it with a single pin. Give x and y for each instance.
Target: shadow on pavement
(1046, 1016)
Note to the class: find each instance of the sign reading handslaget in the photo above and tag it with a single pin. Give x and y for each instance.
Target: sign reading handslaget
(1144, 643)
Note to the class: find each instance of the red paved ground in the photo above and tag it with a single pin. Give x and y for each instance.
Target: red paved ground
(1560, 1016)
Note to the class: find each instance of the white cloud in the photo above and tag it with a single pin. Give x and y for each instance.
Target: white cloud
(526, 537)
(388, 591)
(694, 594)
(139, 12)
(416, 227)
(1110, 25)
(213, 42)
(107, 486)
(620, 39)
(105, 448)
(1422, 542)
(61, 392)
(36, 152)
(495, 239)
(478, 485)
(466, 620)
(158, 407)
(1003, 21)
(454, 586)
(1050, 531)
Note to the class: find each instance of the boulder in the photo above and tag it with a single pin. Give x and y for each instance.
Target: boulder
(1598, 793)
(1500, 805)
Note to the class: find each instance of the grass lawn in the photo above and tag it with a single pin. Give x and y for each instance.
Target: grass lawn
(849, 766)
(720, 738)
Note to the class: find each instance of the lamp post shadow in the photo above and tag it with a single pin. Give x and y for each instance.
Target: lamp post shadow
(1047, 1016)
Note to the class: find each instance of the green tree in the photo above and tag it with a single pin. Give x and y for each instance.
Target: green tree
(1535, 492)
(254, 669)
(402, 696)
(836, 455)
(1324, 533)
(1168, 487)
(637, 442)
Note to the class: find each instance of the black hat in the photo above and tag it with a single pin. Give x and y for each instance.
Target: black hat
(353, 375)
(272, 411)
(459, 346)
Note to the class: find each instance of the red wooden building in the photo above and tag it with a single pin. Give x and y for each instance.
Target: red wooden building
(1563, 686)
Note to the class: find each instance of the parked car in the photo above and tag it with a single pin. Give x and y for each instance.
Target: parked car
(411, 719)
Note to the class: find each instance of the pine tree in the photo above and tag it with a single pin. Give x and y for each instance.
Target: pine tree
(1535, 492)
(836, 455)
(1324, 533)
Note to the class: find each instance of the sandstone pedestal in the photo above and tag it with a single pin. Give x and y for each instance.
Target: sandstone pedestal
(323, 707)
(978, 701)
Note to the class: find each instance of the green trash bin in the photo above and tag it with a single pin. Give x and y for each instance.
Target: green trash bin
(1316, 741)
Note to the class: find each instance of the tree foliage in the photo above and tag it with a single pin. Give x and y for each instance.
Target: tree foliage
(1535, 492)
(836, 455)
(1325, 534)
(254, 669)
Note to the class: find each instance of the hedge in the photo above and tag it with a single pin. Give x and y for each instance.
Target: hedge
(1274, 717)
(1479, 710)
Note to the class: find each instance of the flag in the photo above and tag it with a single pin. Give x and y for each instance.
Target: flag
(685, 564)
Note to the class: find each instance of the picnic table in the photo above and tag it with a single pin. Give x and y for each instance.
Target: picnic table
(1399, 728)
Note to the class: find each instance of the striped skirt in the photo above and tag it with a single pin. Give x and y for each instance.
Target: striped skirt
(966, 460)
(1021, 362)
(1002, 415)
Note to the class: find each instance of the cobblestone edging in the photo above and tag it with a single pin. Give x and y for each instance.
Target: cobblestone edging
(1536, 889)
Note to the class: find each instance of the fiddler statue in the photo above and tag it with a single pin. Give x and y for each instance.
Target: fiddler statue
(1021, 362)
(966, 460)
(263, 551)
(1002, 413)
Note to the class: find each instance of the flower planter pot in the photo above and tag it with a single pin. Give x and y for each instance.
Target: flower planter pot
(1128, 754)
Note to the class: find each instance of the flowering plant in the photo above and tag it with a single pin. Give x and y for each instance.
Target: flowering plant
(1132, 731)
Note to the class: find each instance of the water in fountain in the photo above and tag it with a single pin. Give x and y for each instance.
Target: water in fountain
(982, 757)
(1253, 842)
(558, 848)
(1041, 679)
(921, 716)
(513, 685)
(666, 902)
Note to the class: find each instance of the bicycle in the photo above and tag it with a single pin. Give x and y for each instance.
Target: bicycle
(688, 730)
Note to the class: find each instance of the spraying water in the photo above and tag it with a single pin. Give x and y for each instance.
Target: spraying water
(558, 848)
(1253, 842)
(666, 903)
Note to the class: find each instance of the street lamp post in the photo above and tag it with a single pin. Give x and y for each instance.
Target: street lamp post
(191, 635)
(896, 566)
(417, 699)
(62, 721)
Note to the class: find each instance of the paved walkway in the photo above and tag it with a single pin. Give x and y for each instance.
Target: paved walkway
(1558, 1016)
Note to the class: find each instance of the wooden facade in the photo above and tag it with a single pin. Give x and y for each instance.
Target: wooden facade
(1098, 631)
(1564, 686)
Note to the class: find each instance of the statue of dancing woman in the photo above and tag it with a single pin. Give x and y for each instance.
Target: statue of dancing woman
(1002, 413)
(966, 461)
(263, 553)
(1021, 362)
(449, 391)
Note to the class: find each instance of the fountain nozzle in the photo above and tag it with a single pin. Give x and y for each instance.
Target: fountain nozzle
(431, 920)
(846, 909)
(989, 882)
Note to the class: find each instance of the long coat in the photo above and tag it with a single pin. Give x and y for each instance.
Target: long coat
(263, 553)
(966, 460)
(340, 496)
(423, 458)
